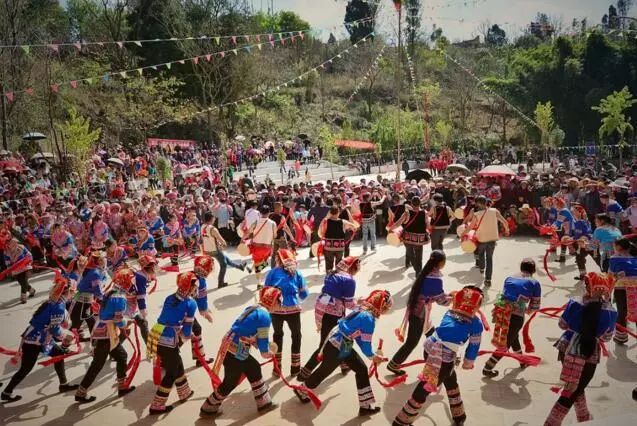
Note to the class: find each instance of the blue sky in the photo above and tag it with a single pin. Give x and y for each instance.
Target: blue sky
(513, 15)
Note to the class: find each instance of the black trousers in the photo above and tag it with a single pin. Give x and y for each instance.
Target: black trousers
(331, 259)
(587, 375)
(331, 361)
(100, 354)
(327, 324)
(233, 369)
(580, 258)
(142, 323)
(82, 312)
(30, 355)
(414, 333)
(513, 339)
(437, 237)
(23, 279)
(172, 365)
(294, 323)
(413, 256)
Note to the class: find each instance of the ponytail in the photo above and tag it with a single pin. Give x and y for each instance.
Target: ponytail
(437, 256)
(588, 335)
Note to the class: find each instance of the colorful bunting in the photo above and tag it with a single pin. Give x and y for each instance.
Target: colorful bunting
(218, 40)
(235, 52)
(123, 74)
(26, 49)
(54, 47)
(29, 91)
(168, 65)
(195, 60)
(78, 46)
(208, 57)
(120, 44)
(182, 61)
(234, 40)
(9, 96)
(73, 84)
(140, 71)
(55, 88)
(138, 43)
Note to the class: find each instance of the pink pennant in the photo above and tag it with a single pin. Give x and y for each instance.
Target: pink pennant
(195, 60)
(247, 37)
(234, 39)
(293, 39)
(258, 38)
(120, 44)
(54, 47)
(208, 57)
(270, 37)
(55, 88)
(282, 42)
(73, 84)
(29, 91)
(301, 35)
(271, 43)
(222, 54)
(9, 96)
(78, 46)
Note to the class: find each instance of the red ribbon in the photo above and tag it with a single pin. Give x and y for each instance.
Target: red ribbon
(58, 358)
(310, 394)
(135, 360)
(526, 337)
(530, 360)
(157, 371)
(215, 381)
(373, 371)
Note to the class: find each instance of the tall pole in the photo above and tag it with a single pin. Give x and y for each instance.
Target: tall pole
(398, 86)
(3, 116)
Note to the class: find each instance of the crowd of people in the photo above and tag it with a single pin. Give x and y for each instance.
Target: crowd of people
(105, 248)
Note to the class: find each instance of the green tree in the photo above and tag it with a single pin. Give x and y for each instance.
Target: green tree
(496, 36)
(328, 142)
(354, 12)
(78, 140)
(614, 120)
(444, 131)
(545, 121)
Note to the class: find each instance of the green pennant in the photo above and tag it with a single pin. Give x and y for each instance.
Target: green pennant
(218, 40)
(89, 80)
(26, 48)
(235, 51)
(140, 71)
(168, 65)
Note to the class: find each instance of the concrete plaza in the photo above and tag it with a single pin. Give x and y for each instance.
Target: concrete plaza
(516, 397)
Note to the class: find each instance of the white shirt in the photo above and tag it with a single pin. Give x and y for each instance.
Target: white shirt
(251, 216)
(264, 234)
(209, 242)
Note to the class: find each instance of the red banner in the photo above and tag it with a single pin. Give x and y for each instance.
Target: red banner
(171, 143)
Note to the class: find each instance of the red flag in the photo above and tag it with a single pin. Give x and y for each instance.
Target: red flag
(195, 60)
(55, 88)
(301, 35)
(282, 42)
(293, 39)
(247, 37)
(271, 43)
(73, 84)
(222, 54)
(9, 96)
(270, 37)
(234, 39)
(208, 57)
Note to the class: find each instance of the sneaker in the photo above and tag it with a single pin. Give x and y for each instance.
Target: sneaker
(490, 373)
(222, 285)
(301, 396)
(31, 293)
(578, 278)
(635, 394)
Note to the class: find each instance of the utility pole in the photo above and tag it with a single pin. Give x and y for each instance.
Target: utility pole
(399, 9)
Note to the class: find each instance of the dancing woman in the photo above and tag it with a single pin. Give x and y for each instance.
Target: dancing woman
(623, 266)
(459, 325)
(587, 323)
(336, 297)
(426, 289)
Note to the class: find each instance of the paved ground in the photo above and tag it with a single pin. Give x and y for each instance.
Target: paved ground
(515, 398)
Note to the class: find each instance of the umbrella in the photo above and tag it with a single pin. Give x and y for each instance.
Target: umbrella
(496, 171)
(240, 138)
(418, 175)
(269, 144)
(116, 161)
(461, 168)
(33, 136)
(42, 156)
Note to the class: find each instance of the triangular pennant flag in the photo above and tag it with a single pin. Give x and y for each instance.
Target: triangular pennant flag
(29, 91)
(9, 96)
(285, 85)
(120, 44)
(106, 77)
(272, 43)
(154, 67)
(140, 71)
(182, 62)
(247, 37)
(259, 46)
(258, 38)
(26, 48)
(54, 47)
(73, 84)
(270, 37)
(55, 88)
(137, 42)
(195, 60)
(99, 43)
(293, 39)
(222, 54)
(123, 74)
(235, 52)
(208, 57)
(301, 35)
(248, 48)
(168, 65)
(89, 80)
(234, 40)
(218, 40)
(282, 42)
(78, 46)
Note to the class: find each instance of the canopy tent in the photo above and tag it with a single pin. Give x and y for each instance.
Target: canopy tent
(363, 145)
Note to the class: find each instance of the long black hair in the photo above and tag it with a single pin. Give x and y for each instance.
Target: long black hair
(436, 257)
(588, 333)
(627, 245)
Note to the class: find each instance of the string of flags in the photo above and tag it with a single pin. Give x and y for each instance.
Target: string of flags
(489, 89)
(274, 89)
(232, 39)
(371, 69)
(450, 4)
(208, 57)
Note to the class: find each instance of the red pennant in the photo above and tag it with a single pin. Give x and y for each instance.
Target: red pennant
(195, 60)
(271, 43)
(55, 88)
(247, 37)
(293, 39)
(234, 39)
(270, 37)
(29, 91)
(282, 42)
(258, 38)
(222, 54)
(301, 35)
(78, 46)
(9, 96)
(54, 47)
(208, 57)
(73, 84)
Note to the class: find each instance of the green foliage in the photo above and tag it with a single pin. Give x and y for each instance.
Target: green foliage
(444, 131)
(164, 168)
(614, 120)
(78, 139)
(327, 140)
(496, 36)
